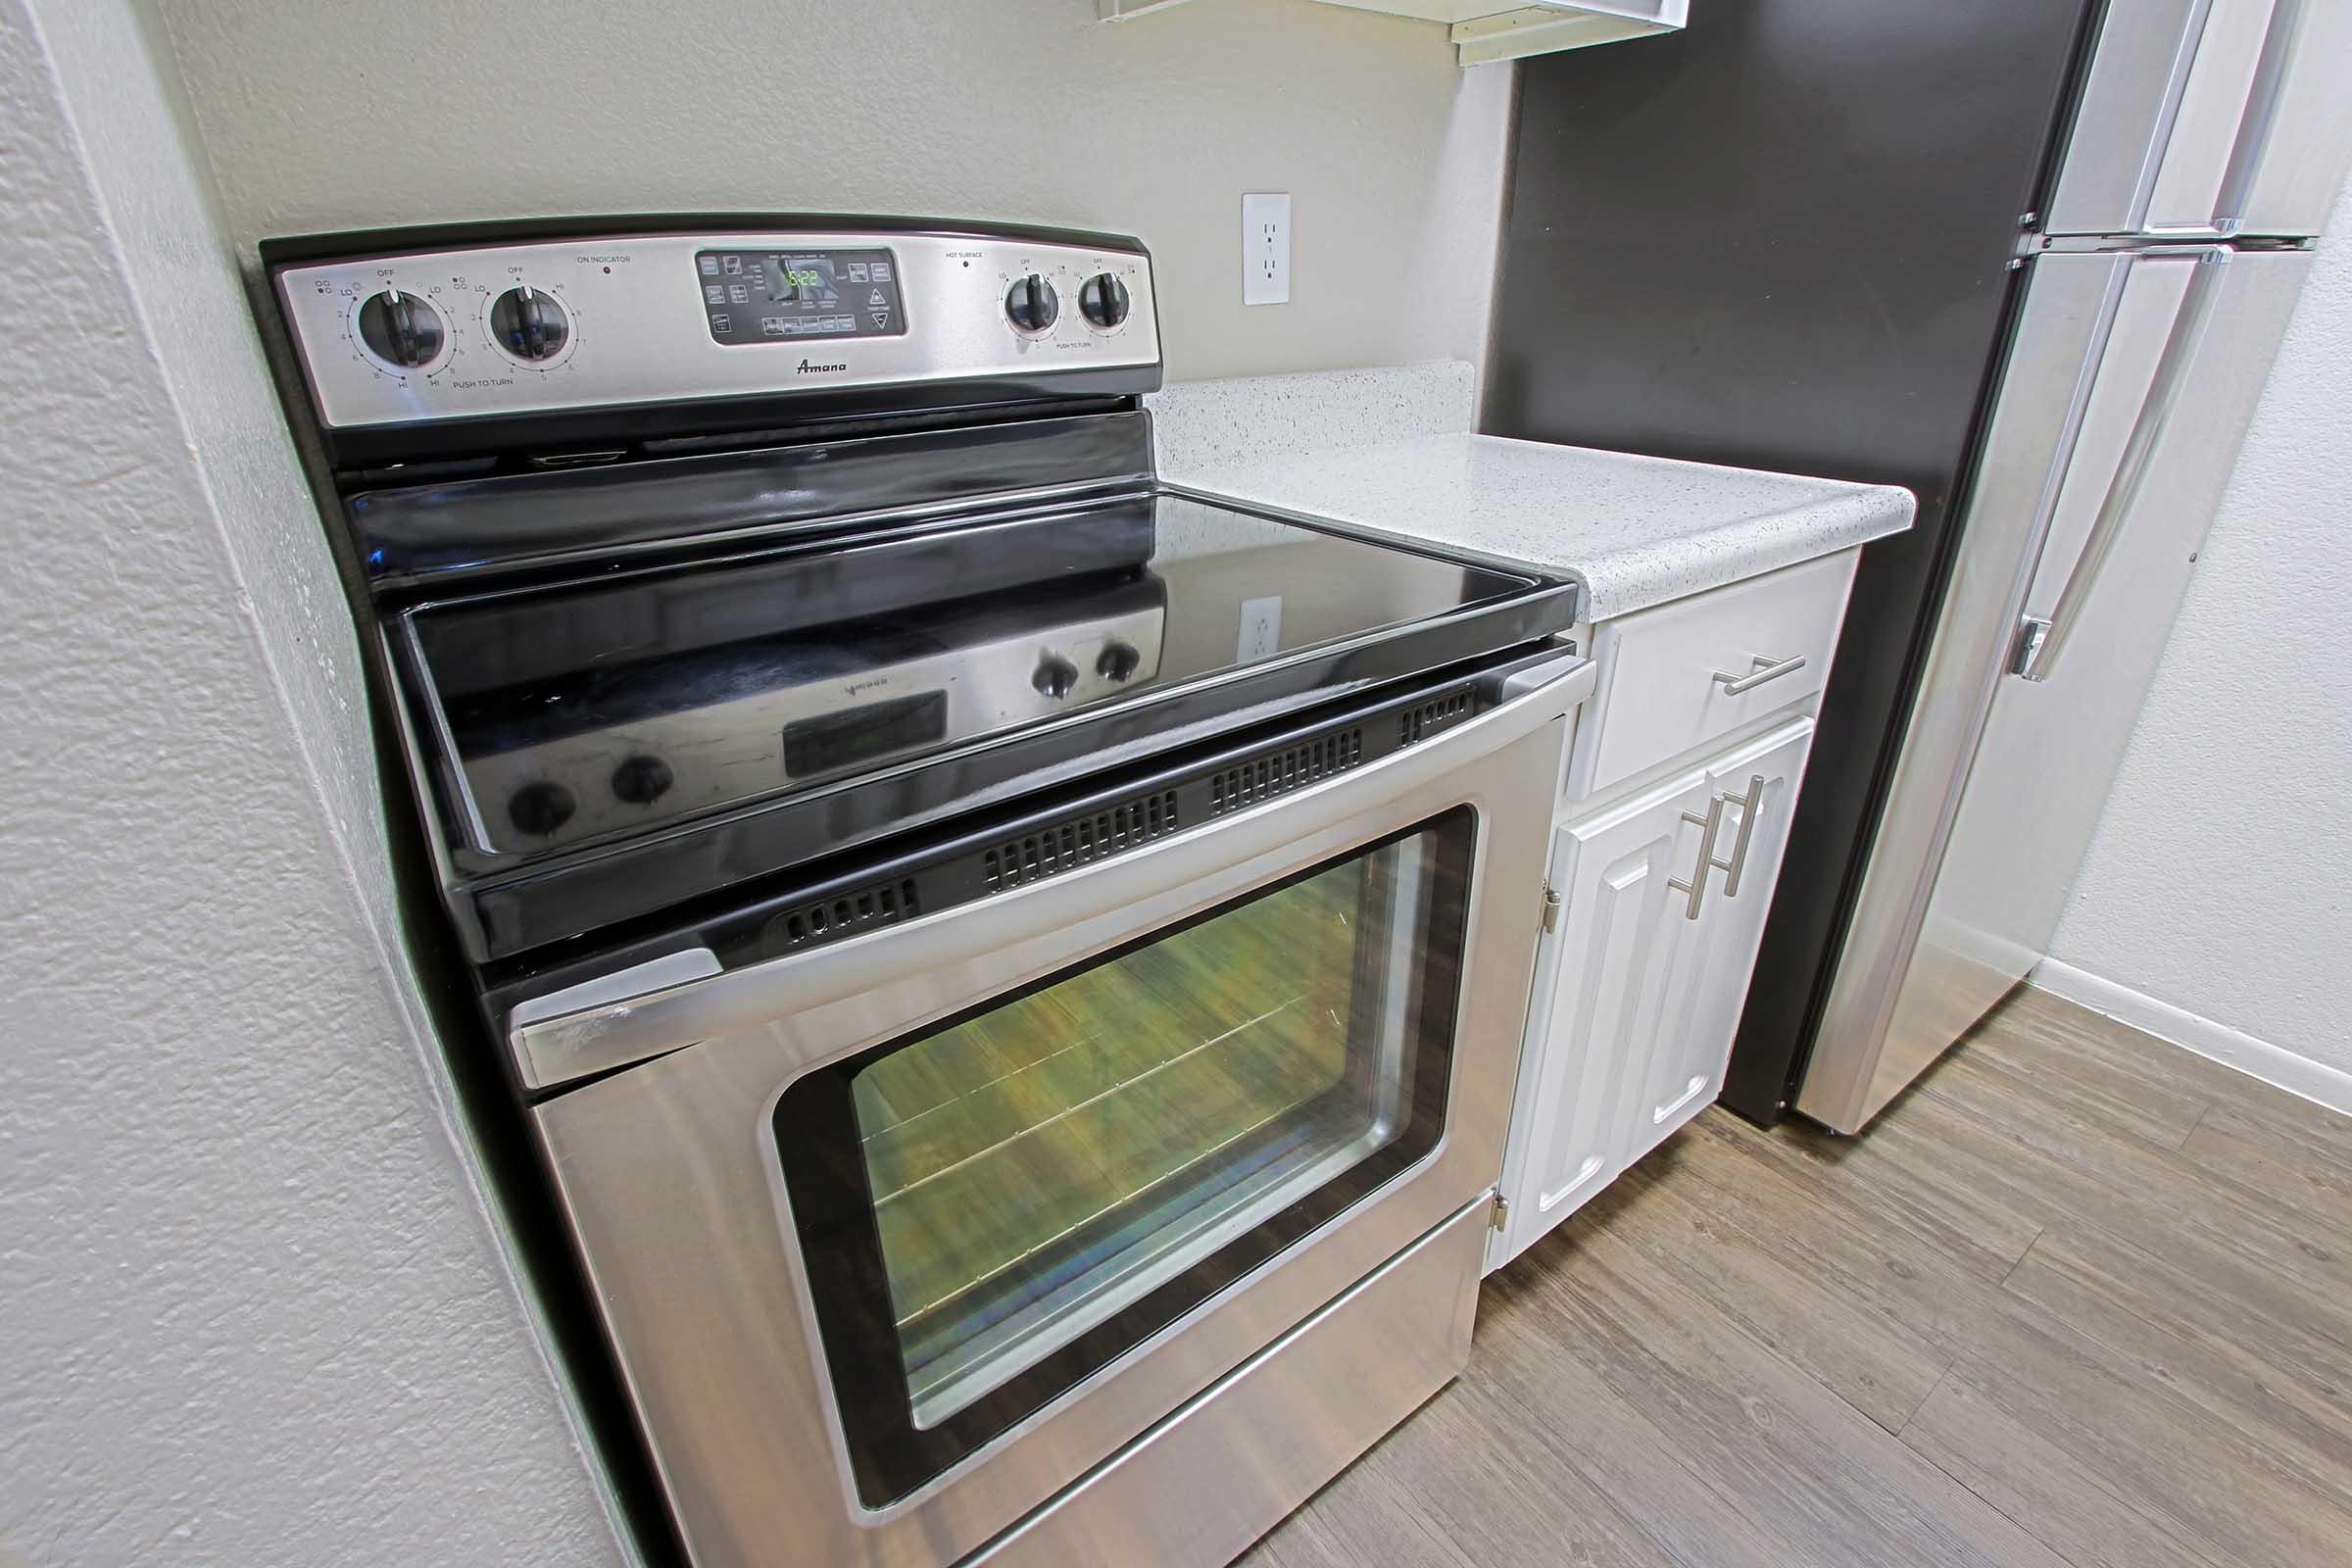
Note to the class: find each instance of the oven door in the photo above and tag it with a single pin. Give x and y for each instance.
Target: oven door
(906, 1234)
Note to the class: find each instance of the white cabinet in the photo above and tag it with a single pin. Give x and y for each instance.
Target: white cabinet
(1752, 791)
(1675, 818)
(1638, 986)
(1487, 31)
(1687, 677)
(1600, 1001)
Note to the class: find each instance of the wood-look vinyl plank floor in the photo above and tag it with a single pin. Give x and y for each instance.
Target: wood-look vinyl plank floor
(2080, 1299)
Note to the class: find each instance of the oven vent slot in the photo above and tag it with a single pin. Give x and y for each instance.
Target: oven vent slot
(1280, 772)
(1426, 718)
(831, 919)
(1082, 839)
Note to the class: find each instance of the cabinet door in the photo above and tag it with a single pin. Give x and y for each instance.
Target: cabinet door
(1708, 985)
(1597, 1007)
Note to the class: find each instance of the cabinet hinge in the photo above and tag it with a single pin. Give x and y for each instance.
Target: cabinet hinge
(1499, 1214)
(1551, 908)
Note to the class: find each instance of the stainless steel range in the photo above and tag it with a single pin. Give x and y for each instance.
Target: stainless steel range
(1015, 973)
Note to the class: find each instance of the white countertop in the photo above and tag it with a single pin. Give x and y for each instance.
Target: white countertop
(1633, 532)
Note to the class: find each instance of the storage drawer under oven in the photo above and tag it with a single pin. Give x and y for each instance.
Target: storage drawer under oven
(901, 1235)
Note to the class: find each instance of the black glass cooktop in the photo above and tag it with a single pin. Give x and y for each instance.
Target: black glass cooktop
(581, 713)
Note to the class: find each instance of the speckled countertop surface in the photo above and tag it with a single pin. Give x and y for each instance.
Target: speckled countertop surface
(1633, 531)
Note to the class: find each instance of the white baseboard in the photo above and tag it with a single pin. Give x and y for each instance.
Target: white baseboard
(2274, 1065)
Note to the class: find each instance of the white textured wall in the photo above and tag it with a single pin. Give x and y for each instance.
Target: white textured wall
(330, 113)
(2221, 877)
(251, 1312)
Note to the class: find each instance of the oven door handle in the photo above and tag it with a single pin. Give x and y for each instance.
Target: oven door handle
(1527, 679)
(549, 1052)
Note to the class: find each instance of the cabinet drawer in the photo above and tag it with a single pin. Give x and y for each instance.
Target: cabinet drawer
(1661, 692)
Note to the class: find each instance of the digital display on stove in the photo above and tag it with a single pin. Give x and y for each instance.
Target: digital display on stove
(805, 281)
(763, 295)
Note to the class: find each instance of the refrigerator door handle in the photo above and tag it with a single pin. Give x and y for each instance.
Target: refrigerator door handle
(2031, 632)
(2296, 133)
(2184, 190)
(2040, 648)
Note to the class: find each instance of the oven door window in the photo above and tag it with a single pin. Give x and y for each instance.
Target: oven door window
(994, 1208)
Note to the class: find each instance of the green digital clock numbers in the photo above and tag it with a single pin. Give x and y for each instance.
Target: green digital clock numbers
(804, 280)
(811, 296)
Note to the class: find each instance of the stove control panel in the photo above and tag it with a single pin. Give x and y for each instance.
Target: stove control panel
(798, 295)
(413, 336)
(756, 739)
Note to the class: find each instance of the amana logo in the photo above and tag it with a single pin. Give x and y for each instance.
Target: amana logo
(808, 369)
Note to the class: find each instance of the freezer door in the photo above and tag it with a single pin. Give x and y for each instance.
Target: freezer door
(2209, 118)
(2098, 483)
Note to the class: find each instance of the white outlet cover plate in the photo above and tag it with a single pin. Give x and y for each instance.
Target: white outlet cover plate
(1261, 630)
(1266, 249)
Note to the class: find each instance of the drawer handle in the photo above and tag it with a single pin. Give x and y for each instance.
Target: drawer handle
(1695, 890)
(1734, 685)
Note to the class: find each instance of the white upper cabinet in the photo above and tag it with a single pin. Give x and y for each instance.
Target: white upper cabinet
(1487, 31)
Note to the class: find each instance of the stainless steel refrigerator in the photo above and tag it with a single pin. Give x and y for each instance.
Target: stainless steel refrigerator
(2031, 259)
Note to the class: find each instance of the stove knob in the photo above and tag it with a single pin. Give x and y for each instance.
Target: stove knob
(1056, 677)
(530, 324)
(1031, 303)
(401, 328)
(1102, 301)
(642, 780)
(540, 808)
(1118, 662)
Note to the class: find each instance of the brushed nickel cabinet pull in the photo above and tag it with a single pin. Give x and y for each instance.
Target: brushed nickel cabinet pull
(1765, 669)
(1732, 870)
(1748, 806)
(1697, 887)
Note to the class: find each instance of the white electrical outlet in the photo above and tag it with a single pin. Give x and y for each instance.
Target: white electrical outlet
(1266, 250)
(1261, 630)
